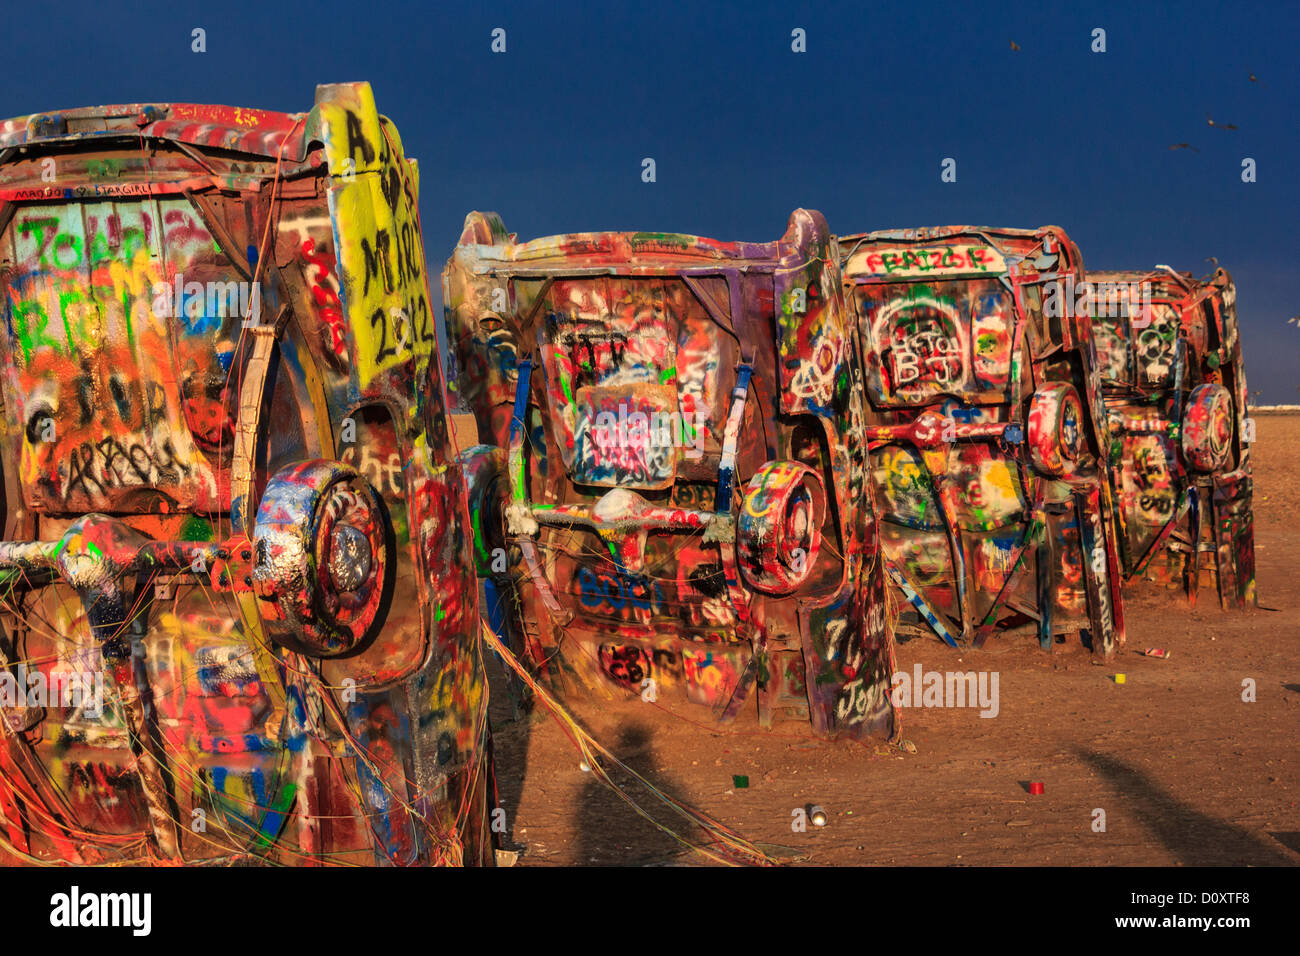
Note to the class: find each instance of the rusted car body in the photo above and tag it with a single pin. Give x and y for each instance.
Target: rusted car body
(230, 504)
(677, 492)
(1175, 392)
(984, 423)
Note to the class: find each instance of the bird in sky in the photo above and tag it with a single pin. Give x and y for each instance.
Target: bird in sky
(1210, 120)
(1185, 146)
(1015, 45)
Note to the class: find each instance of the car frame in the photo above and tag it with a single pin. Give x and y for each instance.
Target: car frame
(625, 564)
(1174, 385)
(983, 418)
(231, 502)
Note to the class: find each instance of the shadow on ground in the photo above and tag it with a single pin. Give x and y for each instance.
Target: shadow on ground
(1195, 838)
(611, 832)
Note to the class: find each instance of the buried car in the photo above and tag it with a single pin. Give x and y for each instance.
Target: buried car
(676, 500)
(1174, 386)
(983, 418)
(238, 600)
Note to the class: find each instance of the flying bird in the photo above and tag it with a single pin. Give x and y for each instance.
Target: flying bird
(1209, 120)
(1253, 79)
(1212, 259)
(1015, 45)
(1294, 320)
(1185, 146)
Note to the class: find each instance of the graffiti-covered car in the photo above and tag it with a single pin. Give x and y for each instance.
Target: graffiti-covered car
(675, 501)
(239, 604)
(1174, 386)
(984, 424)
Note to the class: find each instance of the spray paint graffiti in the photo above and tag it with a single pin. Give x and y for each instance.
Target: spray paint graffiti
(940, 338)
(104, 415)
(699, 548)
(320, 272)
(187, 519)
(1175, 394)
(381, 256)
(985, 430)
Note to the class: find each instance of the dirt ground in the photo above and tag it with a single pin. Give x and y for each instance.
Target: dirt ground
(1185, 770)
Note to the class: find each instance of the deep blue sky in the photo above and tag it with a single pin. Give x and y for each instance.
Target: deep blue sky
(552, 133)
